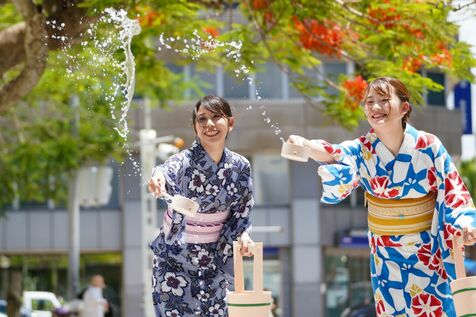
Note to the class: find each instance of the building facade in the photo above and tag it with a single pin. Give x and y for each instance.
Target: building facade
(316, 256)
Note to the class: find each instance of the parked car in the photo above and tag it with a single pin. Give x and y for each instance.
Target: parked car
(41, 304)
(3, 310)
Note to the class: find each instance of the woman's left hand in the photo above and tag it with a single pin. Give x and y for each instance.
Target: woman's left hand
(245, 243)
(469, 235)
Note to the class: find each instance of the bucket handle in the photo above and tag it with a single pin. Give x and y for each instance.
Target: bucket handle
(458, 256)
(257, 251)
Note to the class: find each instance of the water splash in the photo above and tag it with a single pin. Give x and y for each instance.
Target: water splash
(127, 30)
(197, 46)
(108, 66)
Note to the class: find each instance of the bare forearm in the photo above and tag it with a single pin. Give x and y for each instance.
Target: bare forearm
(318, 153)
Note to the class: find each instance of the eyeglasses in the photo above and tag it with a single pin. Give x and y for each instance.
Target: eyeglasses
(203, 120)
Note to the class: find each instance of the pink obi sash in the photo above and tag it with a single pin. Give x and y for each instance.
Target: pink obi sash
(202, 228)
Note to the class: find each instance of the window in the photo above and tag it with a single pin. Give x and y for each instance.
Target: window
(436, 98)
(269, 82)
(310, 76)
(202, 82)
(235, 87)
(271, 179)
(333, 70)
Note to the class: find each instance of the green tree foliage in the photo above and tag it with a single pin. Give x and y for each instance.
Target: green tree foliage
(381, 38)
(468, 173)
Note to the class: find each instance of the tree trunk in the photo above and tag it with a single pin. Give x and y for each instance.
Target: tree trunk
(14, 294)
(28, 43)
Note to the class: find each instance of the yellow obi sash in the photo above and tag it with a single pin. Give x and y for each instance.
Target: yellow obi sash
(389, 217)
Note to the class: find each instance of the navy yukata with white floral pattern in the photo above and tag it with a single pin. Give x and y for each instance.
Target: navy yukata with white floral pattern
(191, 279)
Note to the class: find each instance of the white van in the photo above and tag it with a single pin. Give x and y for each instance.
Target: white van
(40, 304)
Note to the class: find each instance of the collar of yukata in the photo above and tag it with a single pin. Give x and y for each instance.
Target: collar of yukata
(198, 148)
(409, 129)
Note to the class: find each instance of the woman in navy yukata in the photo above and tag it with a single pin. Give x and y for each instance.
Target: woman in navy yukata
(416, 203)
(193, 264)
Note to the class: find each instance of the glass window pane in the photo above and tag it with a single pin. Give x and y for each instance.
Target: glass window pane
(436, 98)
(310, 73)
(333, 70)
(271, 180)
(203, 80)
(235, 87)
(268, 82)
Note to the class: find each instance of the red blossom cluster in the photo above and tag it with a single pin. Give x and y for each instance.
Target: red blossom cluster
(355, 91)
(210, 30)
(148, 17)
(386, 17)
(413, 63)
(325, 37)
(443, 57)
(260, 4)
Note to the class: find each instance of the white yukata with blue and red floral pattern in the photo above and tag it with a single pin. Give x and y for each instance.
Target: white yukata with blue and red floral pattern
(191, 279)
(410, 273)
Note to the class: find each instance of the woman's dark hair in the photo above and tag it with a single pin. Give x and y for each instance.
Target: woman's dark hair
(215, 105)
(382, 86)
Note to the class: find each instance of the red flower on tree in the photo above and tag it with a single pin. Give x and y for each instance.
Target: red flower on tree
(426, 305)
(443, 57)
(323, 37)
(355, 91)
(413, 63)
(148, 18)
(388, 17)
(210, 30)
(260, 4)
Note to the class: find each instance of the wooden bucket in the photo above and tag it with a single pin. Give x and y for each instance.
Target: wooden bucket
(254, 303)
(463, 288)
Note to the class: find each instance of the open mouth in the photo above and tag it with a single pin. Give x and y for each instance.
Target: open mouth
(211, 133)
(379, 116)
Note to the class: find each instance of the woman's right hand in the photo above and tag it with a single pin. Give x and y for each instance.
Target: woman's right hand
(296, 139)
(157, 184)
(318, 152)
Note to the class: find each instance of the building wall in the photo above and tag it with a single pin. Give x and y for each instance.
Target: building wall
(307, 227)
(252, 135)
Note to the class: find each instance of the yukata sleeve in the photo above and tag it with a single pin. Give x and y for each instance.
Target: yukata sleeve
(454, 206)
(340, 178)
(239, 218)
(454, 203)
(172, 169)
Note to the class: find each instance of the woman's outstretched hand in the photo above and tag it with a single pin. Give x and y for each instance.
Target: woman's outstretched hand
(296, 139)
(246, 242)
(469, 235)
(318, 153)
(157, 184)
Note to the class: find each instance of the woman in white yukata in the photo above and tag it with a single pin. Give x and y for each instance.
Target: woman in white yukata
(416, 202)
(193, 263)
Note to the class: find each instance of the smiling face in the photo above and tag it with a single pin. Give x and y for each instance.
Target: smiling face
(383, 107)
(212, 121)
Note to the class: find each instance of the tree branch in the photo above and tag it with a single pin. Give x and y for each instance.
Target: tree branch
(36, 54)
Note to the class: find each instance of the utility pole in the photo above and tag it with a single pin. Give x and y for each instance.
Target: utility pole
(73, 214)
(148, 215)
